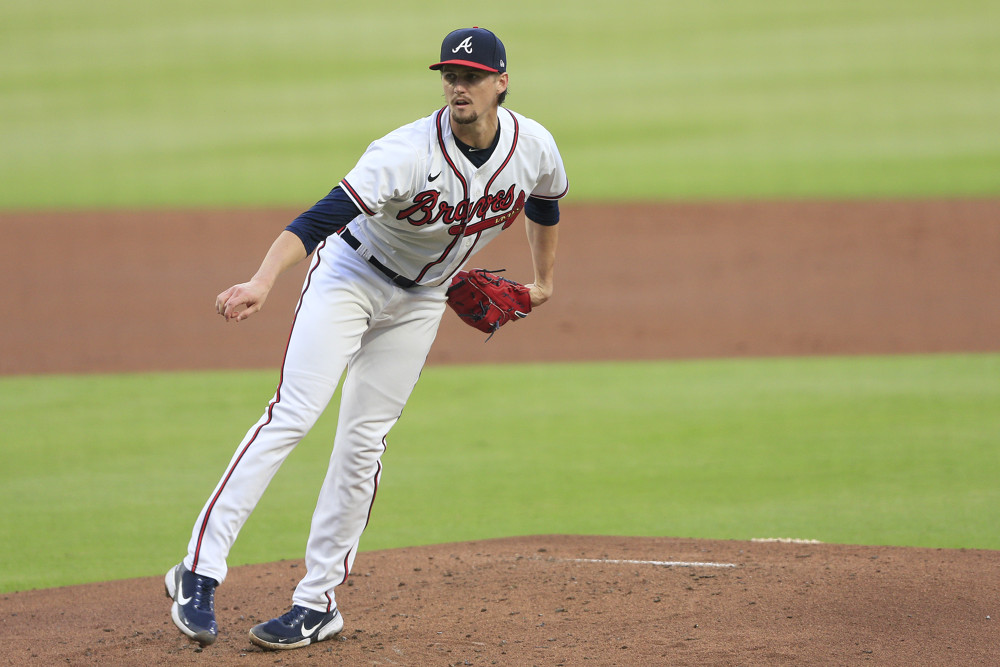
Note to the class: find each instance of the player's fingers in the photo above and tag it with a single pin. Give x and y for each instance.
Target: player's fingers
(232, 307)
(223, 299)
(246, 312)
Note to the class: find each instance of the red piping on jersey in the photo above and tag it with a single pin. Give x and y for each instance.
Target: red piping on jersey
(465, 194)
(465, 190)
(356, 197)
(270, 413)
(558, 196)
(486, 190)
(510, 155)
(347, 558)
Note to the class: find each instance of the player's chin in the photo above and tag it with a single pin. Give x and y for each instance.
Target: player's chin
(464, 114)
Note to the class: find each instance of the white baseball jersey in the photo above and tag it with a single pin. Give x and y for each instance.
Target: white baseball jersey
(427, 209)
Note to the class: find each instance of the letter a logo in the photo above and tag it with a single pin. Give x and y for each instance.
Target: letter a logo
(466, 45)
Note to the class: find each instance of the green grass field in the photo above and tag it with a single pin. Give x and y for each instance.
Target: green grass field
(220, 103)
(105, 475)
(114, 104)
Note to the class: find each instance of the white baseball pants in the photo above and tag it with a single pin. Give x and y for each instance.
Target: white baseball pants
(348, 317)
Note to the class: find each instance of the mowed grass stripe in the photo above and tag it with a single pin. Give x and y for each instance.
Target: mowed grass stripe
(105, 475)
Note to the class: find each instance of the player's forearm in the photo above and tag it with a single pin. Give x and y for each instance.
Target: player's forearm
(286, 251)
(542, 240)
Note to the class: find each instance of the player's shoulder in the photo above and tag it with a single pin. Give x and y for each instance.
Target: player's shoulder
(530, 128)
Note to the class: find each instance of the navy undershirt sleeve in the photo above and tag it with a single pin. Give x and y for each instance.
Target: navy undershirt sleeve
(543, 211)
(328, 216)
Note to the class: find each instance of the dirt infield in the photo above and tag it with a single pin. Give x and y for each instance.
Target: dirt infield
(94, 292)
(126, 291)
(561, 600)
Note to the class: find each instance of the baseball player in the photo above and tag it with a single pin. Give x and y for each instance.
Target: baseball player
(386, 243)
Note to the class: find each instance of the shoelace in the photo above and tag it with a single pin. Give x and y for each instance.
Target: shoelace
(293, 616)
(204, 595)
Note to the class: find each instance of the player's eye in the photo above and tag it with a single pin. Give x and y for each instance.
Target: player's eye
(468, 79)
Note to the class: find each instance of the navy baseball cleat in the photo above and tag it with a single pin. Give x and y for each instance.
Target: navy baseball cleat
(193, 610)
(297, 627)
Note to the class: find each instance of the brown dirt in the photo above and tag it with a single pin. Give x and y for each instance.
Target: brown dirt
(124, 291)
(97, 292)
(529, 601)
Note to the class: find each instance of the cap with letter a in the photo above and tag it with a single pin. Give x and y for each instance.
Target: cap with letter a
(473, 47)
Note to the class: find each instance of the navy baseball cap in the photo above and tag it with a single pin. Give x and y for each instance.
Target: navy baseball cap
(473, 47)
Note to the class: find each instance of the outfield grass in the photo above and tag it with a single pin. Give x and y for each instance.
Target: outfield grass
(219, 103)
(104, 475)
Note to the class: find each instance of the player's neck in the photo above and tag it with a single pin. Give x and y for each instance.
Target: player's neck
(479, 134)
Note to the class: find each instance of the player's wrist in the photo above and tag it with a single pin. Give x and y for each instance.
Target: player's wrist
(540, 293)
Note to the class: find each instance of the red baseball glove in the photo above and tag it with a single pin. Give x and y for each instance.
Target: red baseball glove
(486, 301)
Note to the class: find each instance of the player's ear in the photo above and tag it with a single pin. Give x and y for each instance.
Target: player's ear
(501, 86)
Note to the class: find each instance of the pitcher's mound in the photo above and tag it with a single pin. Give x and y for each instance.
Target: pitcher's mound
(560, 600)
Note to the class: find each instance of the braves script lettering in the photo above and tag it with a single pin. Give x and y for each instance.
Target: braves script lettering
(428, 208)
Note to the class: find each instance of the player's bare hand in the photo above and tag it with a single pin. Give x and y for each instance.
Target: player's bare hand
(241, 301)
(539, 294)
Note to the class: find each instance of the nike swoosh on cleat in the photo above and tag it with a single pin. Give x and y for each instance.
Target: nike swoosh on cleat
(181, 600)
(308, 632)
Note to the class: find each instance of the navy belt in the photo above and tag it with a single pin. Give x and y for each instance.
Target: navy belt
(402, 281)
